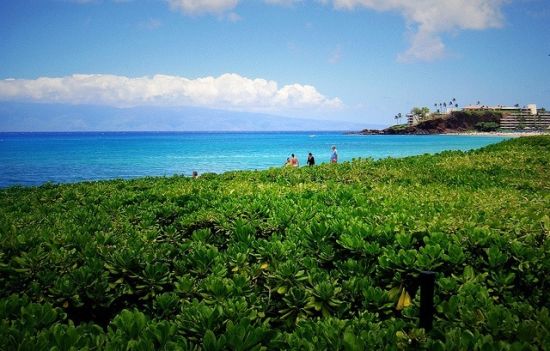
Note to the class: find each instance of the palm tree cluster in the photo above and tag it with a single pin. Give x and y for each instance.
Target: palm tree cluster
(397, 117)
(443, 106)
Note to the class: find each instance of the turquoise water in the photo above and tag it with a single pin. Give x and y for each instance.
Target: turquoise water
(36, 158)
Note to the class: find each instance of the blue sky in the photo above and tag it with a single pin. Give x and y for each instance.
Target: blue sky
(346, 60)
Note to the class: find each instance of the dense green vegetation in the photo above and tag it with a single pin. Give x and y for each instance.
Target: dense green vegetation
(487, 126)
(311, 258)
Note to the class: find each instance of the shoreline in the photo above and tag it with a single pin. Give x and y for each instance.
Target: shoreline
(514, 134)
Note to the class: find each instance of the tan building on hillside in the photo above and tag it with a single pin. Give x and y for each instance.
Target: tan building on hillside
(531, 108)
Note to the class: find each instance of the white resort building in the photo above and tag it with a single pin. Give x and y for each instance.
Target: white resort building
(530, 108)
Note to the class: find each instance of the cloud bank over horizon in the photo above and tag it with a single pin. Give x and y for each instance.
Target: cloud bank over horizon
(426, 20)
(228, 91)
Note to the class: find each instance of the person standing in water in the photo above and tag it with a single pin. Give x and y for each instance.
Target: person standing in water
(287, 163)
(310, 159)
(334, 155)
(294, 161)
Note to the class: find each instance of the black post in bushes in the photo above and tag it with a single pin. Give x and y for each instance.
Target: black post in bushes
(427, 283)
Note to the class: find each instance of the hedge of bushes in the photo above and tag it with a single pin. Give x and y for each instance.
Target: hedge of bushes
(321, 258)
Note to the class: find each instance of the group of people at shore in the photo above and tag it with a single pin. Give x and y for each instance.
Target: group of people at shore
(292, 161)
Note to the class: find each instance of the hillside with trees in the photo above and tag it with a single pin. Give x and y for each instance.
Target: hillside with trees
(454, 122)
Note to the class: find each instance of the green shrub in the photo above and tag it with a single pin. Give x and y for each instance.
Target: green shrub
(309, 258)
(487, 126)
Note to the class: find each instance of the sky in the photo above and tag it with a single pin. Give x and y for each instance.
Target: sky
(361, 61)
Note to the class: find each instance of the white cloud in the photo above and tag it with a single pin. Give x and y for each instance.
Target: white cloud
(218, 7)
(151, 24)
(430, 18)
(233, 17)
(228, 91)
(335, 56)
(197, 7)
(427, 19)
(282, 2)
(425, 46)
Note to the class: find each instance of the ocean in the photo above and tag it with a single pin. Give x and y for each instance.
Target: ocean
(30, 159)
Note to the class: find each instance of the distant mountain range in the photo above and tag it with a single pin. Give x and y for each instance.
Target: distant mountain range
(35, 117)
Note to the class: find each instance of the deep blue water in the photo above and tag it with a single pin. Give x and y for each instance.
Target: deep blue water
(36, 158)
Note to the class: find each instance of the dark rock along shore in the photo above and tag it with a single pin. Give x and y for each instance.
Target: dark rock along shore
(458, 121)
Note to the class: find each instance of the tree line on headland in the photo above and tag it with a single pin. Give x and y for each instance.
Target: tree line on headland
(455, 121)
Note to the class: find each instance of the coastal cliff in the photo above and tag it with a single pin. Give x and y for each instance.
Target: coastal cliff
(458, 121)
